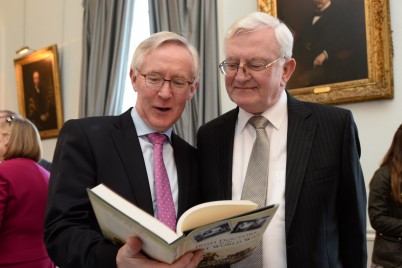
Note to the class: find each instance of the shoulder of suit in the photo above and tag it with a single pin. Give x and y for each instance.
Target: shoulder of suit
(103, 118)
(178, 141)
(325, 107)
(228, 117)
(93, 122)
(335, 9)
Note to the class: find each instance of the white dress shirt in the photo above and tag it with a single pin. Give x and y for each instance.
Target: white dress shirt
(274, 239)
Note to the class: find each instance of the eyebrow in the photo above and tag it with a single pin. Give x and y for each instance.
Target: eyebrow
(249, 58)
(175, 76)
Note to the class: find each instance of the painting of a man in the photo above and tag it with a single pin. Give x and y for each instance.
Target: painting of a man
(39, 99)
(330, 44)
(39, 93)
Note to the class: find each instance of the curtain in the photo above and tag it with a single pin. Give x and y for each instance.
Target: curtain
(196, 20)
(106, 40)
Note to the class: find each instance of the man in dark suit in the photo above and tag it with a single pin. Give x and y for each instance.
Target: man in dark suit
(116, 151)
(325, 48)
(313, 169)
(38, 107)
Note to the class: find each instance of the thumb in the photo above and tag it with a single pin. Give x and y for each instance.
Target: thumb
(133, 246)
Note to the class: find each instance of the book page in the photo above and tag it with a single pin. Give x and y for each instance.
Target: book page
(211, 212)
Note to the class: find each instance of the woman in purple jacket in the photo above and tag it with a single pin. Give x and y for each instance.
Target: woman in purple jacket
(23, 193)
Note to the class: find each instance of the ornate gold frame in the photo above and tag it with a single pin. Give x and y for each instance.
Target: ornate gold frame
(379, 83)
(44, 61)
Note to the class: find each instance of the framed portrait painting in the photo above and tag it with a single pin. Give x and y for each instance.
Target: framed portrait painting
(39, 93)
(342, 48)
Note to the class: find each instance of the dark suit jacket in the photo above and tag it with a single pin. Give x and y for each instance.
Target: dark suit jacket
(325, 192)
(105, 150)
(332, 33)
(328, 33)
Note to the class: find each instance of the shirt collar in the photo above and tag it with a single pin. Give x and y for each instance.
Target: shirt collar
(143, 129)
(275, 114)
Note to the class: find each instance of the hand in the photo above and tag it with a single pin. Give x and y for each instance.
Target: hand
(319, 60)
(45, 116)
(130, 256)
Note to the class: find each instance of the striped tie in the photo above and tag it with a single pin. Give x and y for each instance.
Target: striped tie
(256, 182)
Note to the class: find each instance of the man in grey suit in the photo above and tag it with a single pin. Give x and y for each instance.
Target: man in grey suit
(116, 151)
(313, 170)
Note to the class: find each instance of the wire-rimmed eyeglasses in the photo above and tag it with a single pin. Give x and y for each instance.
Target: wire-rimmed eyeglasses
(155, 81)
(255, 65)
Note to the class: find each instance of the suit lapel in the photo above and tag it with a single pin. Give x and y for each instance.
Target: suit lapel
(225, 142)
(183, 172)
(128, 146)
(301, 130)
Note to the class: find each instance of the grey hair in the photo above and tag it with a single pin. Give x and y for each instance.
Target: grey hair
(259, 20)
(158, 39)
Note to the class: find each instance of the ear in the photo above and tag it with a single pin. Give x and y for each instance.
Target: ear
(6, 138)
(288, 69)
(133, 79)
(191, 92)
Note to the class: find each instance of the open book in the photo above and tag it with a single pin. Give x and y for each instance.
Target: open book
(226, 230)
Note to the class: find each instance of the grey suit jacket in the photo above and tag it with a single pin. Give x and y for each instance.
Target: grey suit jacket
(105, 150)
(325, 192)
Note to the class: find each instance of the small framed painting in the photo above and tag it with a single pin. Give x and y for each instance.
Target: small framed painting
(39, 93)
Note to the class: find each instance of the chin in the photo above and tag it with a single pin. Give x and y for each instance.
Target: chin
(244, 101)
(161, 124)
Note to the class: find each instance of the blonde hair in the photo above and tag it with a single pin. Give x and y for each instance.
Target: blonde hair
(158, 39)
(24, 139)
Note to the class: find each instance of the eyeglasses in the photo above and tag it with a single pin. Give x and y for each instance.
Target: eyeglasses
(255, 65)
(10, 119)
(155, 81)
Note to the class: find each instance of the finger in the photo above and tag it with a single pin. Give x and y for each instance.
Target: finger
(189, 260)
(183, 261)
(196, 259)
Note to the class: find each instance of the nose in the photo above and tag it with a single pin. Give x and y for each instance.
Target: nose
(165, 91)
(242, 69)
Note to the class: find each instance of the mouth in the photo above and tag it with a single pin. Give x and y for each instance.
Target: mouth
(245, 88)
(162, 109)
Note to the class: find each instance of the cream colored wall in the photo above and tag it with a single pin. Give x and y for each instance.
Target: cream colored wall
(60, 22)
(38, 24)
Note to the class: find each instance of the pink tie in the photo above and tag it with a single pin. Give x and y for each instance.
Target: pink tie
(164, 200)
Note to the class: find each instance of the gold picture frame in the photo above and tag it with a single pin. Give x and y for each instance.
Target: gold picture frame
(39, 92)
(378, 82)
